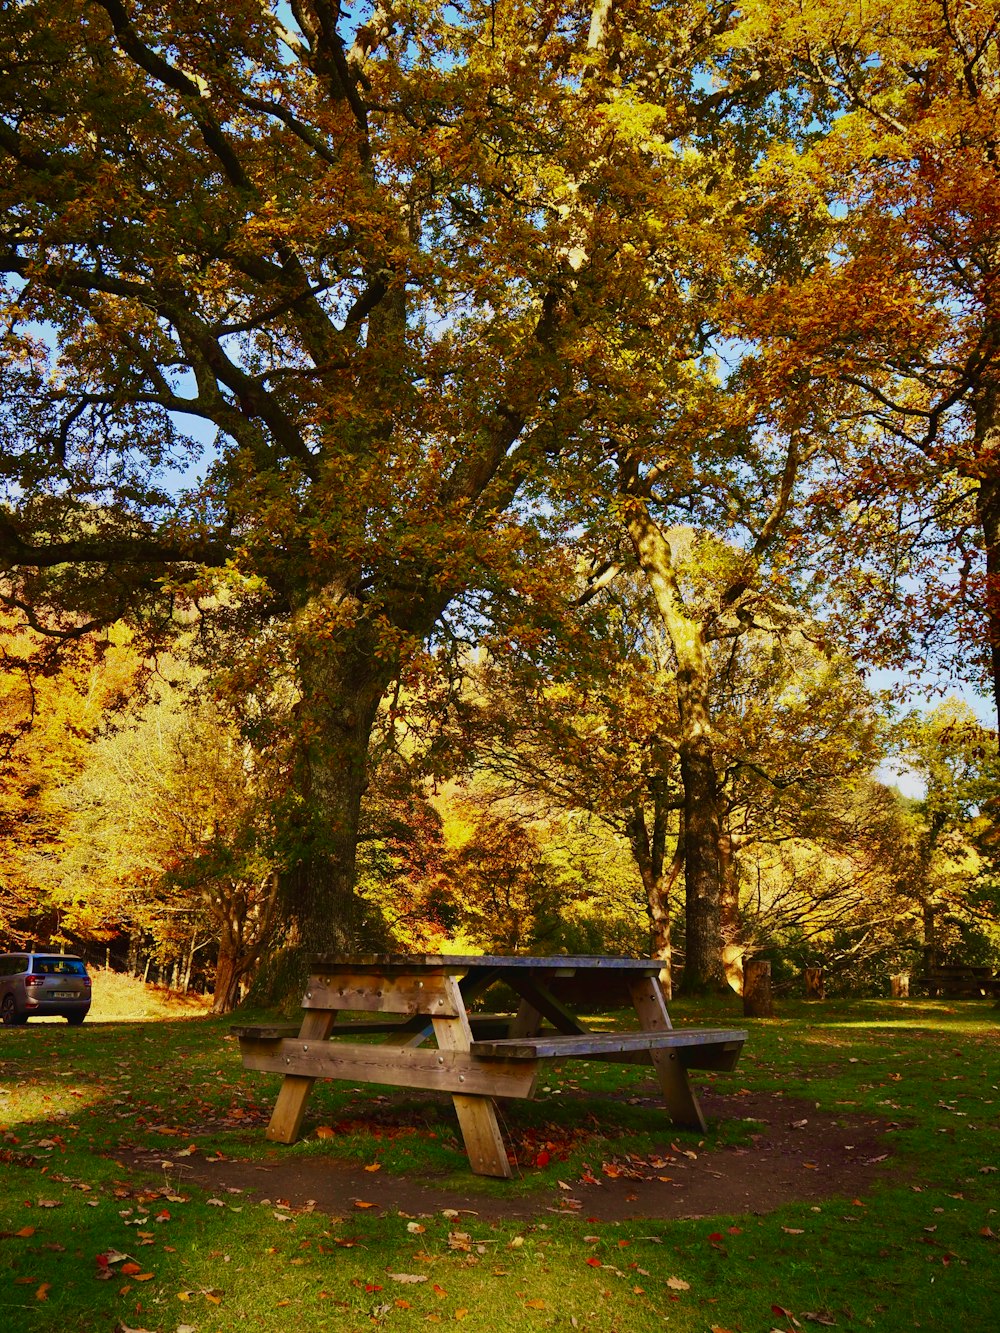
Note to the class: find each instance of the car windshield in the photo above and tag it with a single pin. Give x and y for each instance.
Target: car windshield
(62, 967)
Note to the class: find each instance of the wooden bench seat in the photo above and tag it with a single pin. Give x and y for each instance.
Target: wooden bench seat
(483, 1025)
(699, 1048)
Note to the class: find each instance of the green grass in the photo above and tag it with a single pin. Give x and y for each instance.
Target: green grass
(916, 1252)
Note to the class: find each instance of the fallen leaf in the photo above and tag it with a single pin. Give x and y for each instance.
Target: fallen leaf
(461, 1312)
(49, 1203)
(536, 1304)
(793, 1231)
(374, 1166)
(416, 1228)
(363, 1203)
(678, 1284)
(407, 1277)
(42, 1294)
(325, 1132)
(128, 1269)
(785, 1314)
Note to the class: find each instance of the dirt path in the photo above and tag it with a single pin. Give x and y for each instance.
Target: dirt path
(796, 1154)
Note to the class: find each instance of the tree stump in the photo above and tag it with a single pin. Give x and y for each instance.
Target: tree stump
(815, 990)
(900, 984)
(757, 1001)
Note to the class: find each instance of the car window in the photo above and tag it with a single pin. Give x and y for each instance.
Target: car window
(12, 965)
(61, 967)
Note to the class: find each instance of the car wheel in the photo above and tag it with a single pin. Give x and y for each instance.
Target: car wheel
(74, 1020)
(9, 1016)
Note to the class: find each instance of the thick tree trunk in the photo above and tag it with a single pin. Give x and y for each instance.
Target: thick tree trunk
(340, 693)
(703, 887)
(658, 881)
(702, 808)
(757, 1000)
(988, 510)
(225, 995)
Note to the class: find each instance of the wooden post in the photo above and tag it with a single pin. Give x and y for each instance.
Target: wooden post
(815, 990)
(477, 1116)
(900, 985)
(289, 1109)
(757, 1002)
(678, 1095)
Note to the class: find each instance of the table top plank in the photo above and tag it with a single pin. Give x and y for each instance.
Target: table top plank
(552, 1046)
(566, 963)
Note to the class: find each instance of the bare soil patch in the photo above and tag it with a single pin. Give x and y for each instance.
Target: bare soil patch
(796, 1153)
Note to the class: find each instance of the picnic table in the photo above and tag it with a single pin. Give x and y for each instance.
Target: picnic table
(477, 1056)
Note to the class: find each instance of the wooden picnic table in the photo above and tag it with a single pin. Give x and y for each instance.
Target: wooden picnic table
(477, 1057)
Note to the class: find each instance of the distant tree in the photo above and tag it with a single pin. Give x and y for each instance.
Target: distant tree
(52, 705)
(581, 713)
(897, 326)
(169, 831)
(955, 834)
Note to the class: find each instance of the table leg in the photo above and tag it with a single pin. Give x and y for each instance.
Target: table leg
(289, 1109)
(477, 1116)
(678, 1095)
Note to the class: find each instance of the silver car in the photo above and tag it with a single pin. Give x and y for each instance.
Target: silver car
(43, 984)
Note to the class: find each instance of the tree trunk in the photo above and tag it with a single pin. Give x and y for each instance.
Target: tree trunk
(657, 880)
(732, 946)
(340, 694)
(703, 934)
(134, 949)
(815, 989)
(702, 810)
(988, 510)
(757, 1001)
(225, 994)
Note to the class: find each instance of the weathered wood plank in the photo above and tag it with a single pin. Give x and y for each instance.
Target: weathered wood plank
(651, 1010)
(453, 964)
(399, 1066)
(267, 1031)
(593, 1044)
(290, 1106)
(541, 999)
(381, 993)
(477, 1116)
(723, 1057)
